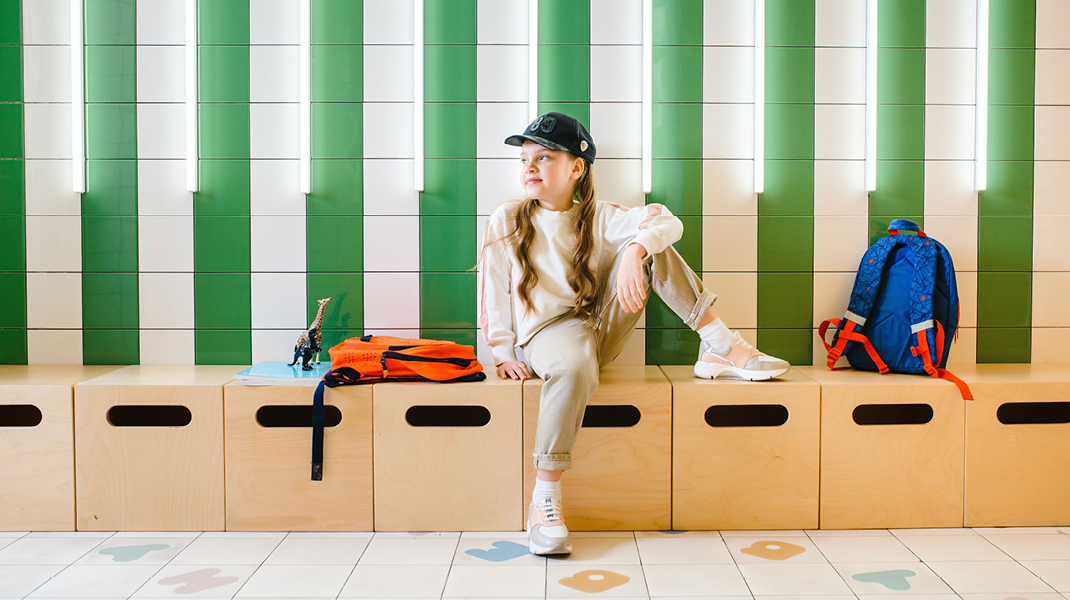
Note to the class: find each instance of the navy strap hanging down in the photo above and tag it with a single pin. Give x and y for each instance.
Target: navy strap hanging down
(317, 432)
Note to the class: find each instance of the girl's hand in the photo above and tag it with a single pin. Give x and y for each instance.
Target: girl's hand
(513, 369)
(630, 289)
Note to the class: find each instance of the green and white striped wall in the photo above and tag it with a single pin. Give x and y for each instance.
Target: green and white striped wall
(138, 270)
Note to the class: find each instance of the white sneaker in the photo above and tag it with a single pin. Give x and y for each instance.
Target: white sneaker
(547, 533)
(743, 361)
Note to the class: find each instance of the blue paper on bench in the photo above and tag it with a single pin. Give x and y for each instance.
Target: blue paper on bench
(277, 372)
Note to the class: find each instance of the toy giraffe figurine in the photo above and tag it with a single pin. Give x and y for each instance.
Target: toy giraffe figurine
(308, 344)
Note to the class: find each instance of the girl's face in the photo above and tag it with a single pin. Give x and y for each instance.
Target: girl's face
(548, 175)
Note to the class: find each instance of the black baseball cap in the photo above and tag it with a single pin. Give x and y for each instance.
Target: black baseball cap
(557, 131)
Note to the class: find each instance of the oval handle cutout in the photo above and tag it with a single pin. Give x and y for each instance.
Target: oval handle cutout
(149, 416)
(746, 415)
(893, 414)
(1033, 413)
(19, 415)
(611, 415)
(286, 415)
(447, 416)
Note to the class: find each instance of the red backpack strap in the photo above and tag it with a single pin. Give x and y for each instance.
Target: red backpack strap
(922, 350)
(848, 334)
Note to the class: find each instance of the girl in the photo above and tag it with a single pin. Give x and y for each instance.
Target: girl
(565, 278)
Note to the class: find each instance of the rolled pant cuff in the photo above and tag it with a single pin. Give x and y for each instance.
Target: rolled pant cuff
(705, 300)
(553, 462)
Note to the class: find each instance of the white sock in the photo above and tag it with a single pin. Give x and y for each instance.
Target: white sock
(717, 336)
(546, 489)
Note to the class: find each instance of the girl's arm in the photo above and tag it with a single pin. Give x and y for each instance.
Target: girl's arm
(495, 291)
(652, 226)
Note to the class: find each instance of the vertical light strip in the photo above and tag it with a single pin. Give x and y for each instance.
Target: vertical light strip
(192, 168)
(77, 98)
(418, 93)
(980, 152)
(871, 95)
(648, 92)
(533, 59)
(306, 97)
(759, 96)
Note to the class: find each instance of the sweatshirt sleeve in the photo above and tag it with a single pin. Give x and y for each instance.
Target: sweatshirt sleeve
(652, 225)
(495, 291)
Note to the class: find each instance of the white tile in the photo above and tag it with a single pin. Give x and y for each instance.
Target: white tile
(784, 579)
(49, 190)
(951, 24)
(616, 22)
(505, 580)
(501, 74)
(728, 23)
(161, 22)
(165, 300)
(730, 243)
(727, 74)
(54, 243)
(988, 577)
(947, 548)
(728, 131)
(1055, 573)
(388, 188)
(840, 242)
(161, 188)
(165, 244)
(678, 550)
(221, 581)
(327, 550)
(95, 581)
(46, 22)
(161, 131)
(615, 550)
(278, 300)
(274, 130)
(839, 132)
(393, 581)
(1051, 245)
(498, 181)
(634, 351)
(1050, 345)
(22, 579)
(276, 344)
(1052, 16)
(862, 549)
(47, 130)
(277, 243)
(274, 188)
(156, 550)
(1050, 181)
(54, 300)
(832, 293)
(1034, 546)
(840, 76)
(47, 550)
(736, 305)
(274, 21)
(728, 187)
(614, 77)
(46, 73)
(840, 188)
(392, 300)
(964, 349)
(950, 76)
(387, 551)
(1052, 132)
(274, 74)
(502, 22)
(917, 578)
(949, 132)
(959, 236)
(226, 551)
(54, 346)
(388, 23)
(840, 23)
(168, 347)
(619, 180)
(161, 74)
(949, 188)
(611, 127)
(289, 581)
(388, 130)
(966, 281)
(680, 580)
(1052, 86)
(388, 74)
(391, 243)
(987, 531)
(496, 121)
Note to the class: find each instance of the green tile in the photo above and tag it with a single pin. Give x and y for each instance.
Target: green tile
(337, 130)
(786, 244)
(690, 245)
(110, 74)
(677, 22)
(450, 74)
(677, 74)
(900, 189)
(789, 75)
(902, 133)
(221, 244)
(793, 345)
(1010, 133)
(222, 300)
(564, 73)
(12, 187)
(1012, 24)
(564, 22)
(789, 131)
(677, 130)
(337, 187)
(337, 73)
(109, 301)
(333, 337)
(878, 225)
(109, 22)
(346, 291)
(111, 131)
(1004, 345)
(789, 188)
(13, 300)
(449, 130)
(1010, 190)
(449, 187)
(337, 22)
(335, 243)
(1004, 299)
(671, 346)
(12, 243)
(464, 337)
(10, 21)
(224, 347)
(110, 346)
(1011, 76)
(223, 21)
(677, 184)
(224, 188)
(13, 346)
(224, 74)
(659, 315)
(785, 301)
(109, 244)
(901, 23)
(448, 300)
(450, 22)
(11, 142)
(447, 243)
(901, 76)
(789, 22)
(581, 111)
(11, 73)
(111, 188)
(224, 130)
(1005, 243)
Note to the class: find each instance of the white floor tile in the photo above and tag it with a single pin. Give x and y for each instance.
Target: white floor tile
(496, 551)
(767, 549)
(385, 551)
(609, 581)
(502, 582)
(952, 548)
(674, 550)
(47, 551)
(1033, 596)
(892, 578)
(694, 580)
(226, 551)
(196, 581)
(602, 551)
(94, 581)
(988, 577)
(135, 551)
(808, 579)
(933, 531)
(1055, 573)
(1033, 546)
(290, 581)
(815, 533)
(861, 549)
(23, 579)
(318, 551)
(370, 581)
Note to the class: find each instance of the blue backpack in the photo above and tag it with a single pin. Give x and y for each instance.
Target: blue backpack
(904, 308)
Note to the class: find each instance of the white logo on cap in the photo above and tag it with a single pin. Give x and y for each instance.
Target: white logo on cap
(583, 145)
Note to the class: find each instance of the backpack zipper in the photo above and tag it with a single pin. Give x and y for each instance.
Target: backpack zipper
(460, 362)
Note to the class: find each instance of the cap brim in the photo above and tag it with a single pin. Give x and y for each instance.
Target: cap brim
(518, 140)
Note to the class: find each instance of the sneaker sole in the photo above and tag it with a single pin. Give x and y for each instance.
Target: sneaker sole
(707, 370)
